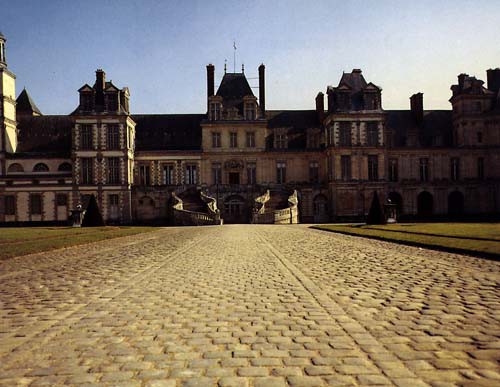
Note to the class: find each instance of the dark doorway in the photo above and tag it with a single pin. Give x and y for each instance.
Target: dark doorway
(234, 178)
(456, 204)
(425, 204)
(395, 198)
(320, 207)
(235, 210)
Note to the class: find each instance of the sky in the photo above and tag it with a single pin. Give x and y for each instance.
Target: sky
(160, 49)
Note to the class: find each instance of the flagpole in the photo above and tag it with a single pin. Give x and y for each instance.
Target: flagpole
(234, 56)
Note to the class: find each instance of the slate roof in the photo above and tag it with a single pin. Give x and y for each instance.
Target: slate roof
(301, 119)
(50, 135)
(234, 86)
(168, 131)
(25, 104)
(354, 80)
(436, 124)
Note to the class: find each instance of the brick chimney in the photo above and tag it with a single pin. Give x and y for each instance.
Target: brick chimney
(461, 80)
(417, 107)
(493, 79)
(210, 81)
(262, 91)
(320, 106)
(100, 83)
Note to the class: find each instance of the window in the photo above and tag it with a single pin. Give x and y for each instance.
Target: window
(345, 134)
(478, 107)
(281, 141)
(216, 173)
(314, 172)
(62, 200)
(215, 111)
(86, 140)
(191, 174)
(393, 169)
(87, 171)
(113, 199)
(113, 170)
(113, 137)
(479, 137)
(215, 140)
(281, 172)
(10, 205)
(249, 111)
(455, 169)
(64, 167)
(424, 169)
(40, 167)
(15, 168)
(144, 175)
(331, 136)
(251, 173)
(233, 140)
(372, 133)
(111, 102)
(250, 139)
(372, 168)
(480, 168)
(345, 165)
(35, 204)
(86, 101)
(168, 174)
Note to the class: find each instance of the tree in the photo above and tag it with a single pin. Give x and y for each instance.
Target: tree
(92, 217)
(376, 214)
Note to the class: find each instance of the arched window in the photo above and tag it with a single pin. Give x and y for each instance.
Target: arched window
(40, 167)
(15, 168)
(64, 167)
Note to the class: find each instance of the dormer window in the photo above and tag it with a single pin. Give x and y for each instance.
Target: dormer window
(250, 111)
(215, 111)
(281, 141)
(86, 101)
(112, 102)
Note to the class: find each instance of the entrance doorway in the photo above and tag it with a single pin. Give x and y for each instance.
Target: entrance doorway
(234, 178)
(235, 210)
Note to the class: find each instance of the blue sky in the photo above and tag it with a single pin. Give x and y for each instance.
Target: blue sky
(159, 49)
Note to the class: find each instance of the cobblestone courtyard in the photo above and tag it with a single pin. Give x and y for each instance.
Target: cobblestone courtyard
(249, 306)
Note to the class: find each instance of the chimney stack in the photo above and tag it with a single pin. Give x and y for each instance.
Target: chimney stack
(417, 107)
(262, 91)
(320, 106)
(493, 79)
(100, 82)
(461, 79)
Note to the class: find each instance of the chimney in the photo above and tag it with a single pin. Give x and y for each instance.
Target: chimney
(262, 91)
(493, 79)
(320, 106)
(417, 107)
(100, 82)
(461, 79)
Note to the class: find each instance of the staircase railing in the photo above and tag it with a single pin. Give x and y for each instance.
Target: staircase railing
(289, 215)
(184, 217)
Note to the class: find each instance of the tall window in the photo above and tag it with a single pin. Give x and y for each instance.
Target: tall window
(215, 108)
(144, 175)
(216, 173)
(479, 137)
(250, 139)
(113, 137)
(281, 172)
(372, 133)
(251, 173)
(249, 111)
(345, 165)
(455, 168)
(35, 204)
(191, 174)
(281, 142)
(216, 140)
(480, 168)
(393, 169)
(331, 135)
(113, 170)
(233, 140)
(424, 169)
(313, 171)
(373, 168)
(168, 174)
(62, 199)
(10, 205)
(87, 170)
(345, 134)
(86, 140)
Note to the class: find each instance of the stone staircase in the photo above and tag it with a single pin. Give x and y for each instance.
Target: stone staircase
(276, 207)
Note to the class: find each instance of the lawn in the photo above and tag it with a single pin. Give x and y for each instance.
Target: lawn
(26, 240)
(472, 238)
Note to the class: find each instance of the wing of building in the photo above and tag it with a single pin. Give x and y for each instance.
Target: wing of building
(242, 163)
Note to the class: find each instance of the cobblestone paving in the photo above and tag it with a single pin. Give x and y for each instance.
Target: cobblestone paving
(248, 306)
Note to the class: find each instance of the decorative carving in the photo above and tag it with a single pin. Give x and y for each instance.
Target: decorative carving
(234, 165)
(211, 203)
(178, 204)
(260, 203)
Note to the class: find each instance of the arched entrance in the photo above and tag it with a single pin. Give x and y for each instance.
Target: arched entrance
(396, 198)
(425, 204)
(235, 210)
(320, 209)
(455, 204)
